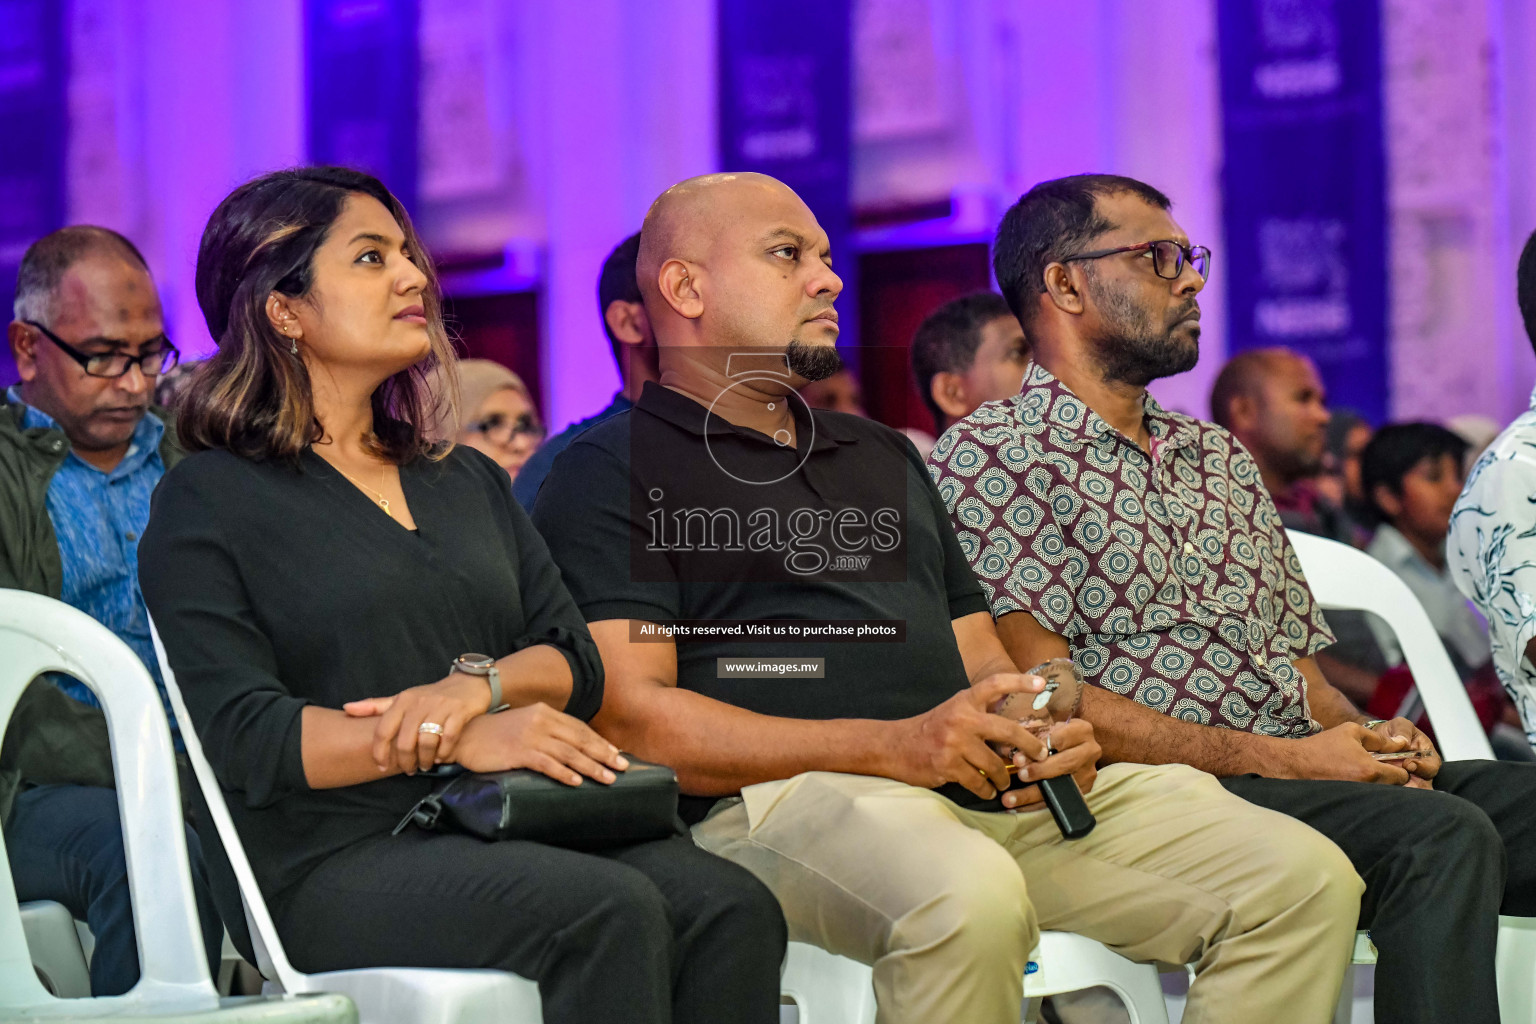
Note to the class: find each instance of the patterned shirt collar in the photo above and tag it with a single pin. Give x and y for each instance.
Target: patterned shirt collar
(1075, 425)
(144, 444)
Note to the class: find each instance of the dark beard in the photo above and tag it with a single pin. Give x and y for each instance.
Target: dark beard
(1135, 351)
(813, 362)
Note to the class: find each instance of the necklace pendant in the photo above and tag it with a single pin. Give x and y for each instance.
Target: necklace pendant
(384, 504)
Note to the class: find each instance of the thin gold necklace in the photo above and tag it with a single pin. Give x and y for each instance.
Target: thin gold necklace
(383, 501)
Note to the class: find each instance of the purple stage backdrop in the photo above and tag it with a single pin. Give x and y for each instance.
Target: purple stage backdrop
(1303, 187)
(785, 110)
(361, 72)
(34, 122)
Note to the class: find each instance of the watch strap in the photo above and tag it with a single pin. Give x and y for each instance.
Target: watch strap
(493, 676)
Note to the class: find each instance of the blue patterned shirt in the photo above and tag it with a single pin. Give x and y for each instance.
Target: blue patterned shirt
(1491, 553)
(98, 518)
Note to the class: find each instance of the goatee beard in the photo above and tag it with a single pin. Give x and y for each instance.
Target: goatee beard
(813, 362)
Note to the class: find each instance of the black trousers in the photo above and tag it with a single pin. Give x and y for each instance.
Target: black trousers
(645, 934)
(1439, 867)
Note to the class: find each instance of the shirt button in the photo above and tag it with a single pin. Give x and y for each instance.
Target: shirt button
(57, 445)
(131, 536)
(1189, 548)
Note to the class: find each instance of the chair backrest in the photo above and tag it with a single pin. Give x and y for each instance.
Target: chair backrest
(271, 960)
(39, 634)
(1343, 577)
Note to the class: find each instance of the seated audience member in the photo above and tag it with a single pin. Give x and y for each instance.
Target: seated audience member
(316, 569)
(968, 351)
(1272, 401)
(1413, 475)
(1411, 472)
(1144, 544)
(1348, 434)
(81, 448)
(495, 414)
(1491, 547)
(634, 349)
(840, 392)
(861, 787)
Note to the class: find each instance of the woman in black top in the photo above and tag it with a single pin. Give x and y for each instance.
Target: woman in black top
(315, 568)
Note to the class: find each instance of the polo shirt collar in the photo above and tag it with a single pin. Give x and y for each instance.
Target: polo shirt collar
(146, 435)
(1075, 426)
(686, 414)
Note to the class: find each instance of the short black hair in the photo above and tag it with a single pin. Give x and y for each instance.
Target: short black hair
(1050, 222)
(1396, 449)
(49, 258)
(618, 282)
(1525, 287)
(947, 341)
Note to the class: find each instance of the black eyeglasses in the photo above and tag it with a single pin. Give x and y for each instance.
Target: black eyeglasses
(116, 364)
(496, 426)
(1168, 257)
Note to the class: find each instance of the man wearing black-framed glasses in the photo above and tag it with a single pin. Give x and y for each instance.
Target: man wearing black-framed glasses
(1143, 543)
(81, 450)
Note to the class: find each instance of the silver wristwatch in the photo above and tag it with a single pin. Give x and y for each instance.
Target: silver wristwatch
(482, 665)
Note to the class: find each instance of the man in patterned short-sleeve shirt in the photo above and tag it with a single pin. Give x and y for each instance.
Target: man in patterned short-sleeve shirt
(1168, 572)
(1143, 544)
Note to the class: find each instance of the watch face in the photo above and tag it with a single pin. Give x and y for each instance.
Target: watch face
(479, 662)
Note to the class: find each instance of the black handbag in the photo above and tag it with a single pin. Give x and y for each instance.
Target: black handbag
(638, 806)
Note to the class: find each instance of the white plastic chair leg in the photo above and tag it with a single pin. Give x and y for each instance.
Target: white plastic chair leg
(827, 988)
(1071, 963)
(1517, 970)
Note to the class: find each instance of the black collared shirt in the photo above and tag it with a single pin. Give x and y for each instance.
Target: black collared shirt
(669, 514)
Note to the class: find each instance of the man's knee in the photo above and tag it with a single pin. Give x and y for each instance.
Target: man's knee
(1456, 834)
(979, 910)
(1313, 875)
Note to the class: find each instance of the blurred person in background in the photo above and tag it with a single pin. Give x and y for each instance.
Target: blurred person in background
(173, 383)
(634, 350)
(1412, 473)
(1477, 430)
(81, 449)
(1348, 434)
(1491, 546)
(496, 414)
(968, 351)
(1274, 402)
(840, 392)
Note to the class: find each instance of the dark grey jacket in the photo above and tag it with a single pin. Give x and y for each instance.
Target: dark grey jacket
(51, 738)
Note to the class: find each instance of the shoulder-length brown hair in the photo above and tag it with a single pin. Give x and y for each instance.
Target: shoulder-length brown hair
(254, 397)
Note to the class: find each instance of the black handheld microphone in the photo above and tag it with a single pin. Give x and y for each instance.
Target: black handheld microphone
(1067, 806)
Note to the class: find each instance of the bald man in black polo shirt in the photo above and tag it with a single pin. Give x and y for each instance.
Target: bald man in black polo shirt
(786, 617)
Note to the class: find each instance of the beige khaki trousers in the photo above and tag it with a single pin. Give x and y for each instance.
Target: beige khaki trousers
(946, 903)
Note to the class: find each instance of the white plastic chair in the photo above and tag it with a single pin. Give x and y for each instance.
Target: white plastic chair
(53, 941)
(384, 995)
(832, 989)
(38, 634)
(1345, 578)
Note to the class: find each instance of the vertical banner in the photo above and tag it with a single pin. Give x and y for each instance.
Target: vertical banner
(34, 122)
(360, 73)
(1303, 186)
(785, 106)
